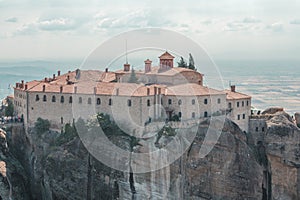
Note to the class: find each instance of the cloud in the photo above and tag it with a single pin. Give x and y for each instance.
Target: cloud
(137, 19)
(295, 22)
(276, 27)
(251, 20)
(247, 23)
(235, 26)
(26, 29)
(59, 24)
(12, 20)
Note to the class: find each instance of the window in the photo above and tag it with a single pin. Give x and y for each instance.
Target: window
(89, 100)
(256, 129)
(61, 120)
(179, 102)
(109, 102)
(44, 98)
(205, 101)
(193, 101)
(170, 101)
(161, 101)
(229, 105)
(247, 103)
(239, 117)
(37, 98)
(179, 114)
(244, 116)
(53, 99)
(80, 100)
(148, 102)
(205, 114)
(62, 99)
(129, 102)
(242, 103)
(219, 100)
(70, 100)
(263, 129)
(98, 101)
(193, 115)
(237, 104)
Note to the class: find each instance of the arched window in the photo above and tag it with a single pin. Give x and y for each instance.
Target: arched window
(89, 100)
(80, 100)
(179, 102)
(205, 101)
(148, 102)
(229, 105)
(170, 101)
(44, 98)
(129, 102)
(110, 102)
(70, 99)
(61, 120)
(37, 98)
(193, 101)
(205, 114)
(193, 115)
(62, 99)
(53, 99)
(98, 101)
(179, 114)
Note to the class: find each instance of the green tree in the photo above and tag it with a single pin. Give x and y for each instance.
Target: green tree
(182, 63)
(191, 62)
(132, 78)
(9, 110)
(42, 125)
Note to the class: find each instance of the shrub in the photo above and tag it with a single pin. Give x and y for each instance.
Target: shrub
(42, 125)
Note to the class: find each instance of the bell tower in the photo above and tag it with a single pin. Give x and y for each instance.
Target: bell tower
(166, 61)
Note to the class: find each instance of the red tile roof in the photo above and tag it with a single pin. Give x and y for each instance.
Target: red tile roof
(236, 95)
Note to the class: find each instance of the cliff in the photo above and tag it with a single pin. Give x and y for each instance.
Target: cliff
(236, 168)
(13, 180)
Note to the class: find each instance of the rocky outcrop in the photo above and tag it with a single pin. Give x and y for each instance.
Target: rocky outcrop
(236, 167)
(282, 142)
(13, 179)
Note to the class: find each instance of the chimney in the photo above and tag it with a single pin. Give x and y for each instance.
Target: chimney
(58, 73)
(61, 89)
(53, 76)
(26, 86)
(106, 70)
(22, 85)
(17, 85)
(232, 88)
(69, 71)
(46, 80)
(75, 89)
(68, 78)
(44, 88)
(148, 65)
(95, 90)
(126, 67)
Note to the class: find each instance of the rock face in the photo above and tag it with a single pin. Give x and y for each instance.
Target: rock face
(13, 180)
(236, 168)
(282, 142)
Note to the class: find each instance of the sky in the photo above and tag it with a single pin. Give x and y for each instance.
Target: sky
(227, 29)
